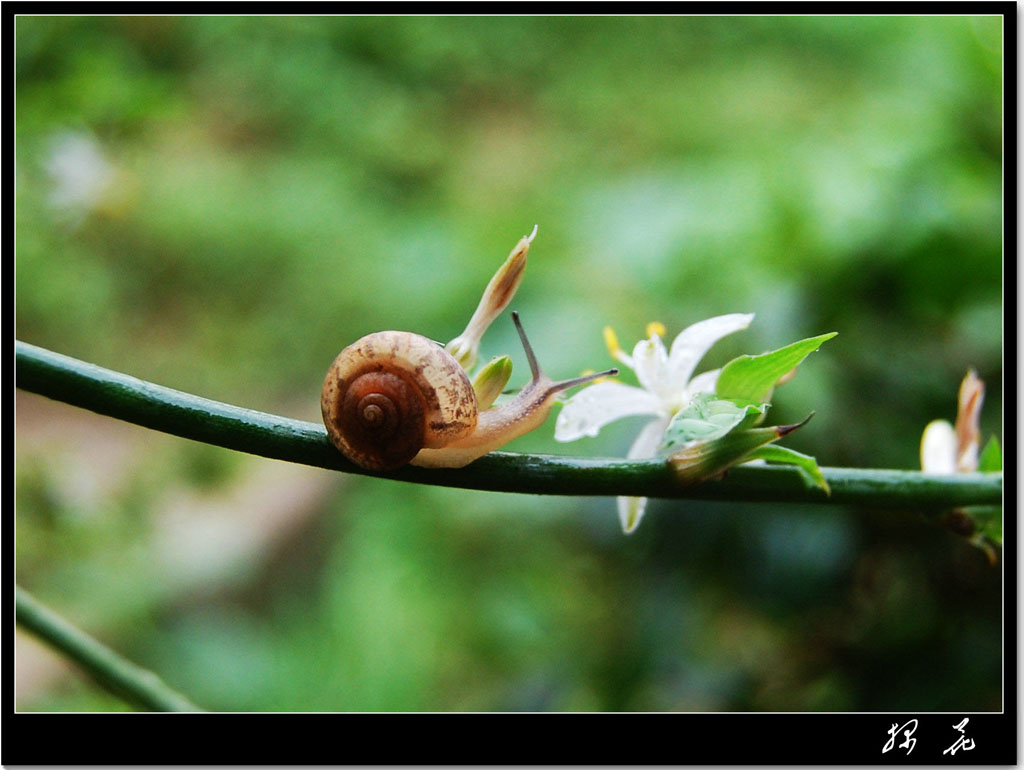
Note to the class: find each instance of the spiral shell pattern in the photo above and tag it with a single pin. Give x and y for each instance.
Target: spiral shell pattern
(390, 394)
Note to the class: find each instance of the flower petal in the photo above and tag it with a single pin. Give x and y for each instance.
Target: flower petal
(631, 509)
(650, 362)
(938, 448)
(693, 342)
(497, 295)
(649, 439)
(703, 383)
(594, 407)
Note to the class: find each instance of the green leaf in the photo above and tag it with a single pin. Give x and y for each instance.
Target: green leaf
(807, 465)
(750, 378)
(989, 519)
(708, 418)
(988, 532)
(991, 458)
(701, 460)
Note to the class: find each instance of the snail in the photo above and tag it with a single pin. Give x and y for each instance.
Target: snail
(396, 397)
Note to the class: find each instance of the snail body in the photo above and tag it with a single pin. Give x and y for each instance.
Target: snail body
(393, 398)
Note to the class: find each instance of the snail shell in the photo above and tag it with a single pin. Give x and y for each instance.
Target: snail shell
(392, 393)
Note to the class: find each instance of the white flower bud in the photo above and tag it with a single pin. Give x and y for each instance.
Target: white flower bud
(497, 295)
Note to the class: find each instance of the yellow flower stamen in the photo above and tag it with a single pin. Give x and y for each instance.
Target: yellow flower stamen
(656, 327)
(612, 343)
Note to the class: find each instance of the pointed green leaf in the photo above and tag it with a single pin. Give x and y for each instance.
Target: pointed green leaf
(991, 458)
(989, 519)
(707, 418)
(701, 460)
(750, 378)
(807, 465)
(755, 414)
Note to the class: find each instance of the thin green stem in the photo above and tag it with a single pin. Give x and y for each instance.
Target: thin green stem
(181, 414)
(120, 676)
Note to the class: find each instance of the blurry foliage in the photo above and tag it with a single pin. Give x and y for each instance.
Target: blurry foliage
(250, 194)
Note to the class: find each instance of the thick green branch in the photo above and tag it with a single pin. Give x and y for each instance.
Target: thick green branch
(120, 676)
(181, 414)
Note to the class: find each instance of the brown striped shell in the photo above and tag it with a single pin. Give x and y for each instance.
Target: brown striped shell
(390, 394)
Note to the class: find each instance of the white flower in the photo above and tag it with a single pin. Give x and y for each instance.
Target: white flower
(947, 449)
(667, 386)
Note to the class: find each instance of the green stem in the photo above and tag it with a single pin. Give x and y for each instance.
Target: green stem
(120, 676)
(181, 414)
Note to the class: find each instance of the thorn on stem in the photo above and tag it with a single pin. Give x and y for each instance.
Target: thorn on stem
(784, 430)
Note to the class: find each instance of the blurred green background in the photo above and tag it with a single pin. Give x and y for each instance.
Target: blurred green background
(221, 204)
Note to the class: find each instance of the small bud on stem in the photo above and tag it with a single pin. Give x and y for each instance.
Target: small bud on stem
(497, 295)
(968, 432)
(491, 380)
